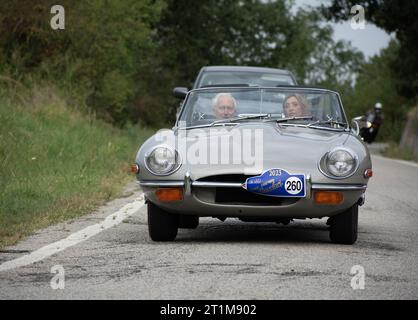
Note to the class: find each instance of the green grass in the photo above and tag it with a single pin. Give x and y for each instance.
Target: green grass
(396, 152)
(56, 164)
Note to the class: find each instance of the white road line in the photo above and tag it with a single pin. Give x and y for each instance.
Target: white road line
(77, 237)
(408, 163)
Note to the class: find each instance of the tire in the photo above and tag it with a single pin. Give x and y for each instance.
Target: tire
(188, 222)
(162, 226)
(344, 226)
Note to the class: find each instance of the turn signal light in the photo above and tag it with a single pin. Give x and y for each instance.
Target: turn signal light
(134, 168)
(169, 194)
(368, 173)
(328, 197)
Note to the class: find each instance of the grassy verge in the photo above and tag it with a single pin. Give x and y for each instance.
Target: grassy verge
(396, 152)
(56, 164)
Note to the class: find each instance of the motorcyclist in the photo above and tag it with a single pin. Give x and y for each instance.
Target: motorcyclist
(375, 117)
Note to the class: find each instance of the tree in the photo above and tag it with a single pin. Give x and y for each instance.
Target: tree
(376, 83)
(124, 57)
(397, 16)
(248, 32)
(103, 50)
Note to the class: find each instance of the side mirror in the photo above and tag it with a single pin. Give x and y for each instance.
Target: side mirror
(359, 123)
(180, 92)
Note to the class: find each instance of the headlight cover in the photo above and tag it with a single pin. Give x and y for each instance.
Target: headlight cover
(340, 163)
(162, 161)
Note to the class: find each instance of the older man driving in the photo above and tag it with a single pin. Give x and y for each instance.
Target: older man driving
(224, 106)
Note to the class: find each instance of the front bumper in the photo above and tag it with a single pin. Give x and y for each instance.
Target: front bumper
(199, 199)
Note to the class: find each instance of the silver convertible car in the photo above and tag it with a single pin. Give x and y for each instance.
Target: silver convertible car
(257, 154)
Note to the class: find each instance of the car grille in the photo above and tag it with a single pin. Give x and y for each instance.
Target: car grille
(240, 196)
(226, 178)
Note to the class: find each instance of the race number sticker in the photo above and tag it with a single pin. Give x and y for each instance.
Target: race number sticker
(277, 183)
(293, 185)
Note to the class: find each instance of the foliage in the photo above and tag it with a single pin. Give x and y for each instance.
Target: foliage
(376, 82)
(121, 59)
(250, 32)
(56, 163)
(103, 49)
(397, 16)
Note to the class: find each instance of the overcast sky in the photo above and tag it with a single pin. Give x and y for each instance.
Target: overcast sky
(368, 40)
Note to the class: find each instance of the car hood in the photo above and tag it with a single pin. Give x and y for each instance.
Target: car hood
(209, 151)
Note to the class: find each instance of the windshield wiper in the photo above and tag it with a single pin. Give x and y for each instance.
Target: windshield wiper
(236, 119)
(207, 125)
(330, 121)
(293, 118)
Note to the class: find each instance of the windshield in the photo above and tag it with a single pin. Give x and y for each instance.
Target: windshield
(287, 106)
(261, 79)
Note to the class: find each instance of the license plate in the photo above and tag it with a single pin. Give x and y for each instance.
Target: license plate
(277, 183)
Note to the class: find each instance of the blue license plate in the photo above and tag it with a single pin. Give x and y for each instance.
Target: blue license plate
(277, 183)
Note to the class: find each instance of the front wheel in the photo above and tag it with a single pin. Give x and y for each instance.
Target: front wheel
(162, 226)
(344, 226)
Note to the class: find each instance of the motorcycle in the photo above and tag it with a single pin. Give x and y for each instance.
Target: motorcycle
(369, 134)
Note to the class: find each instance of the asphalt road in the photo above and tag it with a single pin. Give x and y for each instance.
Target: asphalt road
(233, 260)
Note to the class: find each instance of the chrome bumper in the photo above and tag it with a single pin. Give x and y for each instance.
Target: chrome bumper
(187, 183)
(195, 202)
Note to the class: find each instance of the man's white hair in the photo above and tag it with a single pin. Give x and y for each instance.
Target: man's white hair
(223, 94)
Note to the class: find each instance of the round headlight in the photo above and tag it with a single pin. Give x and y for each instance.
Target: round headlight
(341, 162)
(162, 161)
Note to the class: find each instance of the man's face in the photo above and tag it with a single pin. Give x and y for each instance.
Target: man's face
(224, 108)
(292, 108)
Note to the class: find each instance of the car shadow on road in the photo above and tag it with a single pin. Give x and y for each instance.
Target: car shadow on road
(257, 232)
